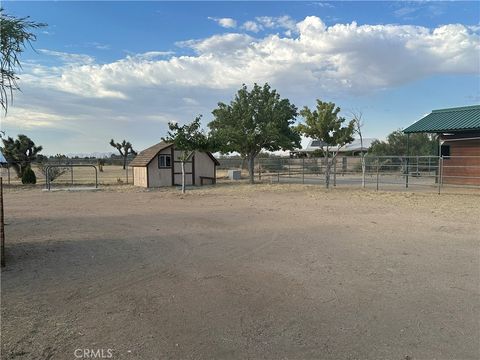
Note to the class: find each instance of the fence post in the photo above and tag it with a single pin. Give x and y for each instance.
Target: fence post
(378, 171)
(126, 168)
(303, 170)
(278, 176)
(71, 171)
(2, 226)
(259, 170)
(407, 170)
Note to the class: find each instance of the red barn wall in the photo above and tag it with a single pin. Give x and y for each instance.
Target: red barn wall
(463, 167)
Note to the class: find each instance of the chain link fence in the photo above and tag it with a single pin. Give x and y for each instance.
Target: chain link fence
(65, 173)
(431, 173)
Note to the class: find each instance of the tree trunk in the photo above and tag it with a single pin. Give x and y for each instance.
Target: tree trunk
(183, 177)
(124, 162)
(327, 172)
(251, 163)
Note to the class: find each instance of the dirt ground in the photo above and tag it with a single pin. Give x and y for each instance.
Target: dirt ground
(238, 272)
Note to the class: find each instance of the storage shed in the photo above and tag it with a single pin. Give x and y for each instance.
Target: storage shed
(159, 165)
(458, 131)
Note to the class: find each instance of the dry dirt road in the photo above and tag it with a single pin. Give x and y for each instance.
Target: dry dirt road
(240, 272)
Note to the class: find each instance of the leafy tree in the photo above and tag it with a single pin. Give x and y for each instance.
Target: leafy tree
(188, 138)
(396, 145)
(326, 125)
(255, 120)
(125, 149)
(15, 35)
(20, 153)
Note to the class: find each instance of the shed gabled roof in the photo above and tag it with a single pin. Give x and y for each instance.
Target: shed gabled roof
(147, 155)
(465, 118)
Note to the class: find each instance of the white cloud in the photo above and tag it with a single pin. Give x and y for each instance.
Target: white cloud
(252, 26)
(346, 56)
(225, 22)
(74, 59)
(285, 22)
(146, 91)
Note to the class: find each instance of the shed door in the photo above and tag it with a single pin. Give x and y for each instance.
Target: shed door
(189, 172)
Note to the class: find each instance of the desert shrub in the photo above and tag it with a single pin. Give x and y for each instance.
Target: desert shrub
(29, 176)
(53, 173)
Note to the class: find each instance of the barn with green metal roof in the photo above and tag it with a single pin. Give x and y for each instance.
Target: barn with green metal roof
(458, 131)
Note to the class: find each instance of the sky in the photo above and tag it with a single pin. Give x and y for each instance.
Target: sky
(123, 70)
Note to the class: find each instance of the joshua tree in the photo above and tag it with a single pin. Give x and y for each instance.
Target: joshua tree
(20, 153)
(125, 149)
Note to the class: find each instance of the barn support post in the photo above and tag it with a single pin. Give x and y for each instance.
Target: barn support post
(2, 226)
(440, 173)
(439, 153)
(408, 160)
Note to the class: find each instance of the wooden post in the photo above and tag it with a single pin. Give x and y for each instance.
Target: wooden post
(378, 171)
(2, 225)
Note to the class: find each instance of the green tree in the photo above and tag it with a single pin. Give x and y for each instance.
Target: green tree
(326, 125)
(396, 145)
(125, 149)
(188, 138)
(255, 120)
(15, 35)
(20, 153)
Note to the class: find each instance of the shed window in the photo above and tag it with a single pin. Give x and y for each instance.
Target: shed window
(445, 151)
(164, 161)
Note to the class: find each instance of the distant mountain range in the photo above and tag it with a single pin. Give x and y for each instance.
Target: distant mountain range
(97, 155)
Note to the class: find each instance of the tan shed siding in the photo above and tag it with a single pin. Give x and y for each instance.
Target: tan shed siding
(204, 166)
(465, 168)
(159, 177)
(140, 176)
